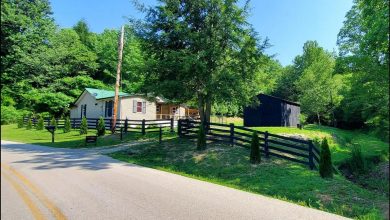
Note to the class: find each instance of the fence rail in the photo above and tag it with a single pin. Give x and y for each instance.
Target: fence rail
(127, 125)
(292, 149)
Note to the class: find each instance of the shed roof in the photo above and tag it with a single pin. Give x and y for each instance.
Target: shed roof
(283, 100)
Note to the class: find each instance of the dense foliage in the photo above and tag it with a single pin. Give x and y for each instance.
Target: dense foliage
(350, 90)
(203, 53)
(44, 68)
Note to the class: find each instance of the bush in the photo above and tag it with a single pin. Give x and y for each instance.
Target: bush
(67, 125)
(302, 119)
(9, 115)
(201, 143)
(255, 157)
(84, 126)
(101, 128)
(357, 163)
(326, 168)
(40, 124)
(20, 122)
(29, 123)
(53, 122)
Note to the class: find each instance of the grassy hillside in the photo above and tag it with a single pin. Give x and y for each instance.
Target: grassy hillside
(229, 166)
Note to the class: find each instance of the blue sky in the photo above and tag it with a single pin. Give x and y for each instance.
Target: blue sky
(287, 23)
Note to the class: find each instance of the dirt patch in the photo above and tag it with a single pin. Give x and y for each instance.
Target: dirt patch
(327, 199)
(296, 136)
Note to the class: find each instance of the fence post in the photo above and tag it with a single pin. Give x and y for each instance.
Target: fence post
(266, 149)
(187, 125)
(232, 134)
(74, 123)
(311, 162)
(172, 121)
(179, 127)
(160, 135)
(121, 133)
(111, 125)
(143, 126)
(57, 122)
(126, 125)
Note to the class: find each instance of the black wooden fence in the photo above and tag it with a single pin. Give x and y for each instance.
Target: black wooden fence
(127, 125)
(292, 149)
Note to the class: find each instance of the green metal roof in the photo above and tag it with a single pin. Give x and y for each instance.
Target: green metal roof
(102, 94)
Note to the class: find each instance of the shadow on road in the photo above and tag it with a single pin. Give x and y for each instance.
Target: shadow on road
(53, 158)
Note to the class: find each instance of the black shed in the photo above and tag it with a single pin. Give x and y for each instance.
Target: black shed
(272, 111)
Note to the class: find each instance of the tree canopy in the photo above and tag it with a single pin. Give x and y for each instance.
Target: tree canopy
(204, 53)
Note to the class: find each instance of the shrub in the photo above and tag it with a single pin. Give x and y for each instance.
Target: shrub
(326, 169)
(84, 126)
(201, 143)
(67, 125)
(255, 149)
(53, 122)
(9, 115)
(357, 163)
(20, 122)
(101, 128)
(302, 119)
(29, 123)
(40, 124)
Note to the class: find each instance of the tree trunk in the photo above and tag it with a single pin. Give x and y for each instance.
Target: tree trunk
(207, 112)
(318, 118)
(201, 107)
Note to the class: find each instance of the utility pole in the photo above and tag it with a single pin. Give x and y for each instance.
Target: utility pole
(118, 76)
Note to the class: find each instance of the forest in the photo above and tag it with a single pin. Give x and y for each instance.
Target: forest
(203, 53)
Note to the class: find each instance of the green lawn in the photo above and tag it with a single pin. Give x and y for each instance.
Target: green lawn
(72, 139)
(277, 178)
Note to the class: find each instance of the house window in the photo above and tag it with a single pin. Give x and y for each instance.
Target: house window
(139, 106)
(158, 108)
(108, 109)
(83, 111)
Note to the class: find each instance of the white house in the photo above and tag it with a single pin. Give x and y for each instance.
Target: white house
(95, 103)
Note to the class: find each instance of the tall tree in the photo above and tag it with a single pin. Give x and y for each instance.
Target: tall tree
(25, 29)
(202, 50)
(85, 36)
(106, 49)
(316, 86)
(364, 44)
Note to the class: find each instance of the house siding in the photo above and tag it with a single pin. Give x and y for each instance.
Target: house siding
(126, 110)
(95, 108)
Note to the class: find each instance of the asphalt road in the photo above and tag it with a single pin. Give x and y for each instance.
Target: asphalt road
(40, 182)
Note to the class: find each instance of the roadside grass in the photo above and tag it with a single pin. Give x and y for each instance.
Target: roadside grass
(229, 166)
(340, 141)
(72, 139)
